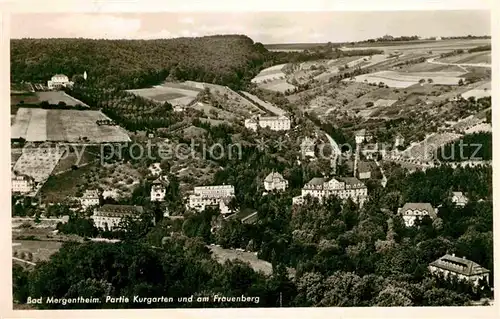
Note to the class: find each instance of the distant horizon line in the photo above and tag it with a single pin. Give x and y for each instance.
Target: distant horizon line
(238, 34)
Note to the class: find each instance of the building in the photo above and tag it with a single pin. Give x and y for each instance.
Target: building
(155, 169)
(90, 198)
(307, 147)
(109, 216)
(363, 136)
(413, 211)
(22, 184)
(342, 187)
(251, 124)
(399, 141)
(461, 268)
(459, 199)
(275, 181)
(179, 108)
(215, 196)
(275, 123)
(159, 189)
(438, 38)
(58, 81)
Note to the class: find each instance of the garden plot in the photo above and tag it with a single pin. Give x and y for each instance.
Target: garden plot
(404, 80)
(38, 125)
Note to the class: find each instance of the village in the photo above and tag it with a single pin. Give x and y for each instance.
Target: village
(354, 147)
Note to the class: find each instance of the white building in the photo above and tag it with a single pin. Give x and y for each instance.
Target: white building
(159, 189)
(461, 268)
(22, 184)
(459, 199)
(155, 169)
(218, 195)
(341, 187)
(363, 136)
(90, 198)
(57, 81)
(275, 123)
(110, 216)
(413, 211)
(399, 141)
(275, 181)
(251, 124)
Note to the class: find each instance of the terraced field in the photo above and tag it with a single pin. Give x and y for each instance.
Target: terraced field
(40, 125)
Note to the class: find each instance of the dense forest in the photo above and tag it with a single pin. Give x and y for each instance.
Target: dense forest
(476, 146)
(229, 60)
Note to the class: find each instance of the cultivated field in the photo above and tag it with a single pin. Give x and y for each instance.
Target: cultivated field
(52, 97)
(230, 100)
(483, 90)
(277, 86)
(173, 93)
(435, 46)
(430, 67)
(425, 150)
(469, 58)
(404, 80)
(272, 73)
(38, 162)
(38, 125)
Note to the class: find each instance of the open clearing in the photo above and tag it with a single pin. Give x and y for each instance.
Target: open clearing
(39, 125)
(41, 250)
(478, 92)
(221, 255)
(404, 80)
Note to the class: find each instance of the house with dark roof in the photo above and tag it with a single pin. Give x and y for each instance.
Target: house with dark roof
(459, 199)
(109, 216)
(275, 181)
(462, 268)
(413, 211)
(159, 189)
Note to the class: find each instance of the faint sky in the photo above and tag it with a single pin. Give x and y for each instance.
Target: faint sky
(265, 27)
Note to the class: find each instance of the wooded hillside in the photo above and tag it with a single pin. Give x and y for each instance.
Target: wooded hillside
(123, 64)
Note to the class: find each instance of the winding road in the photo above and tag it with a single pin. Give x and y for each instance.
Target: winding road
(461, 65)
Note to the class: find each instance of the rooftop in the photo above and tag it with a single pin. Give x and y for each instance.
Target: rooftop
(421, 207)
(459, 265)
(317, 181)
(272, 176)
(120, 209)
(349, 180)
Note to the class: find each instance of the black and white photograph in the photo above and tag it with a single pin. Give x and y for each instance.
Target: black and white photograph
(279, 159)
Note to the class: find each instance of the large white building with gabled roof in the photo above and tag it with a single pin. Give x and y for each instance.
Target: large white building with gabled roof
(341, 187)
